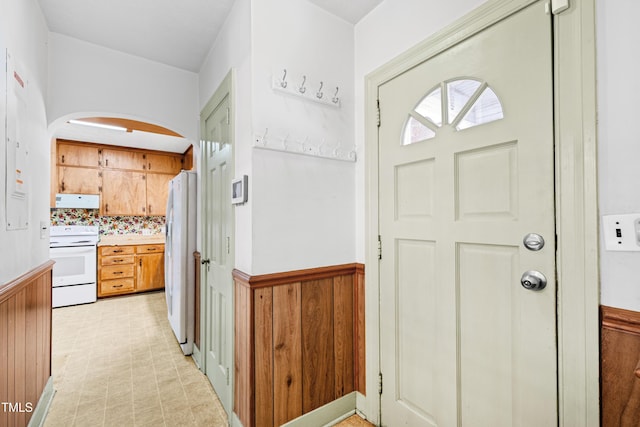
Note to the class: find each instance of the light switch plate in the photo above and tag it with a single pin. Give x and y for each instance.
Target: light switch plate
(44, 228)
(621, 232)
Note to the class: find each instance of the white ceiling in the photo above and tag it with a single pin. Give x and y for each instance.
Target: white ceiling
(176, 33)
(349, 10)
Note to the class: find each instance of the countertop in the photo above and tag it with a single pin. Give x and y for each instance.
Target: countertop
(131, 239)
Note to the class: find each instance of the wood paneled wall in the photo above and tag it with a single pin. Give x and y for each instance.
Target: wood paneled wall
(620, 367)
(299, 341)
(25, 344)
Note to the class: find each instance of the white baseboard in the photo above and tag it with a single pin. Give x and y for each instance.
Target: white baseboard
(327, 415)
(42, 408)
(197, 357)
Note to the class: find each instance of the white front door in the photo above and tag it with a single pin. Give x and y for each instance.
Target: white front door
(466, 171)
(218, 228)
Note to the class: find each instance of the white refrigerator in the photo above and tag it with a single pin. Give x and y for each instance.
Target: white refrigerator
(179, 268)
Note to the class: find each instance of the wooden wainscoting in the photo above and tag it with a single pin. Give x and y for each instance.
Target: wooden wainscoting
(25, 343)
(620, 367)
(299, 341)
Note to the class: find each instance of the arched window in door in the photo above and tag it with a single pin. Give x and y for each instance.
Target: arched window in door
(461, 103)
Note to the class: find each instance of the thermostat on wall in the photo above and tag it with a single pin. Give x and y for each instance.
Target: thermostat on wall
(239, 187)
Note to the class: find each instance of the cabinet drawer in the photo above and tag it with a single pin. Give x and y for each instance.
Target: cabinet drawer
(117, 260)
(149, 249)
(116, 250)
(116, 286)
(116, 271)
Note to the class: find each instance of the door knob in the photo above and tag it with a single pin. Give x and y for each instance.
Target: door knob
(533, 280)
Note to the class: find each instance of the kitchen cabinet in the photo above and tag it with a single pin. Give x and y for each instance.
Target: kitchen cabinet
(124, 159)
(116, 270)
(126, 269)
(124, 193)
(150, 267)
(78, 180)
(164, 163)
(69, 154)
(129, 181)
(157, 193)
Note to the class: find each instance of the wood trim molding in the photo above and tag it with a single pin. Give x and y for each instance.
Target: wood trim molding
(196, 260)
(621, 320)
(131, 125)
(275, 279)
(10, 289)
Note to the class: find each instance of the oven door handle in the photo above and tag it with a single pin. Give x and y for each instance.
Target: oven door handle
(72, 250)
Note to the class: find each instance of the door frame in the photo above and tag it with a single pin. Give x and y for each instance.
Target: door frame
(576, 200)
(225, 88)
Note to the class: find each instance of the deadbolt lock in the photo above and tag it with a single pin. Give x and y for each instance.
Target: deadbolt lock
(533, 242)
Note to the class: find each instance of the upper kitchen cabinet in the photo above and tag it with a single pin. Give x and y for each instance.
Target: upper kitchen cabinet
(130, 181)
(70, 154)
(164, 163)
(157, 193)
(124, 159)
(124, 193)
(78, 180)
(77, 169)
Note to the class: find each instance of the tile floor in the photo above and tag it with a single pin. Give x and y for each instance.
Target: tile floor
(117, 363)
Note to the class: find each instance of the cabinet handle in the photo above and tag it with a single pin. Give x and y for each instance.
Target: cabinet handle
(63, 158)
(63, 186)
(106, 162)
(149, 166)
(151, 249)
(106, 207)
(149, 208)
(117, 251)
(118, 272)
(117, 286)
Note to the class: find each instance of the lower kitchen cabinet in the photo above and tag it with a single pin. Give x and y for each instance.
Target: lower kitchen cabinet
(130, 269)
(150, 267)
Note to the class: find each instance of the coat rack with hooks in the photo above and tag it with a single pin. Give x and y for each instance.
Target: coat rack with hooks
(306, 89)
(304, 146)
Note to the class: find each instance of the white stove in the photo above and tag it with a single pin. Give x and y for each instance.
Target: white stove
(73, 248)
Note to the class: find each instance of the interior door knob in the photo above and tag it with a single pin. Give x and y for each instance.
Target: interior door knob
(533, 280)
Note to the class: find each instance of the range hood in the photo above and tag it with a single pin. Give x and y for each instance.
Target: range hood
(82, 201)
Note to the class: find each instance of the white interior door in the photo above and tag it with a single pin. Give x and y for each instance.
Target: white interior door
(218, 237)
(466, 171)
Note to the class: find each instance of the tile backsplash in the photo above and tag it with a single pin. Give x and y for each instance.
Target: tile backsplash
(109, 225)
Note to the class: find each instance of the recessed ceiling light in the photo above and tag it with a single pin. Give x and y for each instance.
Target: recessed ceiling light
(97, 125)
